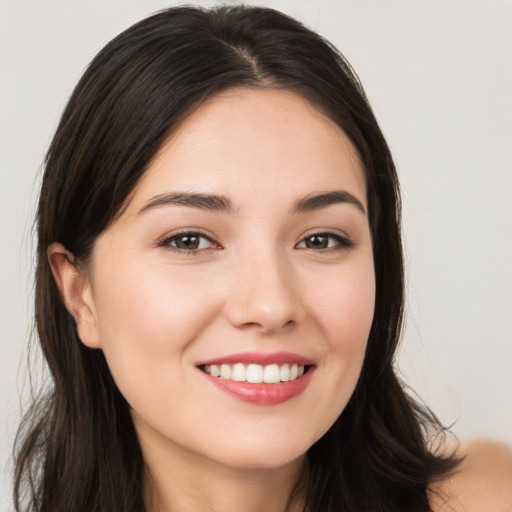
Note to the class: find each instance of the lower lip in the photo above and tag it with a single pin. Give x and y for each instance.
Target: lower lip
(263, 394)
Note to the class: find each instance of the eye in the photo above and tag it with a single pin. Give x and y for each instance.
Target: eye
(325, 241)
(188, 241)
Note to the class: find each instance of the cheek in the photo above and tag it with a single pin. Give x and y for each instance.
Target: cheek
(154, 298)
(344, 315)
(147, 318)
(344, 311)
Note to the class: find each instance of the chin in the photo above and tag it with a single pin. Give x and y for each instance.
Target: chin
(262, 459)
(262, 450)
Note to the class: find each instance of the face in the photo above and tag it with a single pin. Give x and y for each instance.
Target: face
(243, 251)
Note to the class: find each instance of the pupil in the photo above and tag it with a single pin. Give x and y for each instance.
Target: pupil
(187, 242)
(317, 242)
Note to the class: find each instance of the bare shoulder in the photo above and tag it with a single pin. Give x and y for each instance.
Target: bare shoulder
(482, 482)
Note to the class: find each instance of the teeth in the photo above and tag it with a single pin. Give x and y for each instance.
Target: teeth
(271, 374)
(238, 373)
(284, 373)
(225, 371)
(256, 373)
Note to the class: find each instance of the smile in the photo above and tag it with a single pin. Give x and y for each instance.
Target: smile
(256, 373)
(260, 379)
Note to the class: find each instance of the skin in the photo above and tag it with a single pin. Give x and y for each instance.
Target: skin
(252, 285)
(483, 481)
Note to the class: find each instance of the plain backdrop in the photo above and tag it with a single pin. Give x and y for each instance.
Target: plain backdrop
(439, 76)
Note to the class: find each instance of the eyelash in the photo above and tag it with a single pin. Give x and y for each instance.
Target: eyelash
(166, 242)
(341, 242)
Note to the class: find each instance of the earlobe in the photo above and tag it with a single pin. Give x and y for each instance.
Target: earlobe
(75, 292)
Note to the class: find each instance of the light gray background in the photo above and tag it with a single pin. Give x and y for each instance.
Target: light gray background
(439, 75)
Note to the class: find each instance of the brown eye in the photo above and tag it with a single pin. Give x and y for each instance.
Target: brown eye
(325, 241)
(188, 242)
(317, 242)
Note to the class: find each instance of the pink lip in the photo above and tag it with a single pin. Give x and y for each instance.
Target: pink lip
(260, 358)
(263, 394)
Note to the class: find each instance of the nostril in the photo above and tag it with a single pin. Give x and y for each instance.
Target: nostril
(267, 326)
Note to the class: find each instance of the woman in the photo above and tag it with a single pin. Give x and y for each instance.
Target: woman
(219, 285)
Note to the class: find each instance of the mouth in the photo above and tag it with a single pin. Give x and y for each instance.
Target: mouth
(258, 378)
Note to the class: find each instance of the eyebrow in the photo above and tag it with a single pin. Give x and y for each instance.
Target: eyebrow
(316, 201)
(210, 202)
(219, 203)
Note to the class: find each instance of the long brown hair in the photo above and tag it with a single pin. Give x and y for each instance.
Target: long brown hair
(77, 448)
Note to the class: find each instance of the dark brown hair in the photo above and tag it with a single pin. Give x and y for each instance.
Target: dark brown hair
(77, 448)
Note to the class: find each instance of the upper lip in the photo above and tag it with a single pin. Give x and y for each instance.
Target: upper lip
(261, 359)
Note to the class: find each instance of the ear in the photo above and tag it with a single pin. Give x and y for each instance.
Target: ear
(76, 293)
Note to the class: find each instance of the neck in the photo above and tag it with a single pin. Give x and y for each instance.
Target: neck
(220, 490)
(177, 480)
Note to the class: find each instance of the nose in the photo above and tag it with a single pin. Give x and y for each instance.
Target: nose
(263, 294)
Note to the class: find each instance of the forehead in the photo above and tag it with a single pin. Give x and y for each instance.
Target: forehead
(255, 142)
